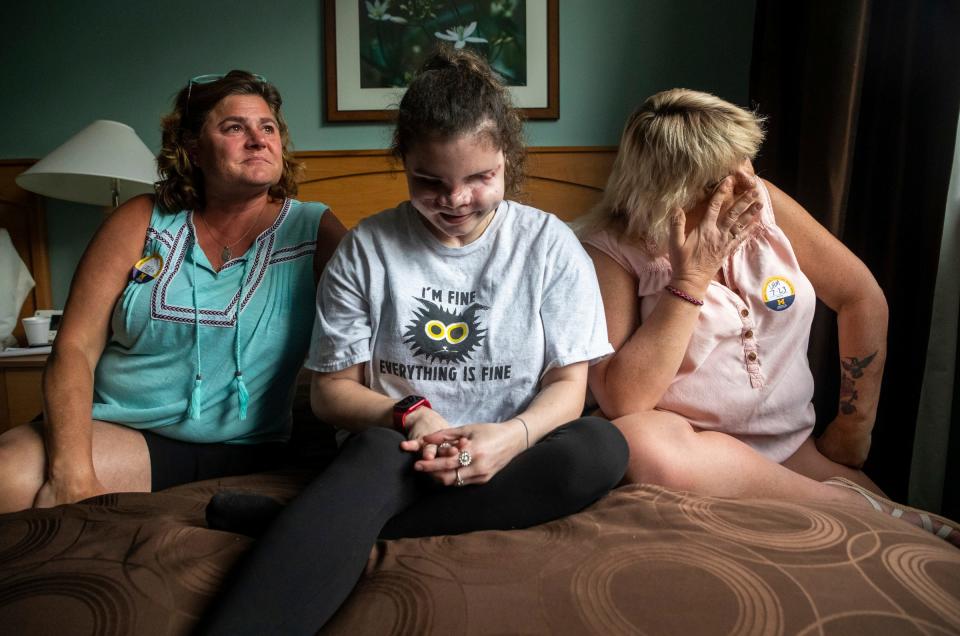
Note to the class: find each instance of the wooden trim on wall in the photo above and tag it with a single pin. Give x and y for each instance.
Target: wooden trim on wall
(567, 181)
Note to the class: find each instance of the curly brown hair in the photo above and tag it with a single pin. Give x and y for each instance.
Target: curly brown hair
(181, 183)
(456, 92)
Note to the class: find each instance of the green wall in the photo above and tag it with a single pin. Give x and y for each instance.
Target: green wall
(66, 63)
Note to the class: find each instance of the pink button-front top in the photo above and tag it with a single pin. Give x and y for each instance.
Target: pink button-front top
(745, 371)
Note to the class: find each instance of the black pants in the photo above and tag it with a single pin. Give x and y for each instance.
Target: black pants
(173, 462)
(310, 558)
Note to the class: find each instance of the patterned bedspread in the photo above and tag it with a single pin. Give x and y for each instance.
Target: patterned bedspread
(642, 560)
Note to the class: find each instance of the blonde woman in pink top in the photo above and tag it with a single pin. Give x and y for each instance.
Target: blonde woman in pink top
(710, 277)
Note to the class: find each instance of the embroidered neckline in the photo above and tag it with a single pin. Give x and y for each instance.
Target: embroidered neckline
(263, 257)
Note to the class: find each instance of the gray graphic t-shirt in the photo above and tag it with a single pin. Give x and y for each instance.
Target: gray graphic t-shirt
(472, 328)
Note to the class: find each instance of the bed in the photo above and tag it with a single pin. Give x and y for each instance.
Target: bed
(641, 560)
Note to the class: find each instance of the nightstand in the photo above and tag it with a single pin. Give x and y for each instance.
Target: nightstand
(21, 397)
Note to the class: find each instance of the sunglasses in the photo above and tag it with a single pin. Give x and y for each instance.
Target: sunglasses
(209, 78)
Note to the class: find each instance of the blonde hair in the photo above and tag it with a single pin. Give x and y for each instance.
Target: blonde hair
(674, 145)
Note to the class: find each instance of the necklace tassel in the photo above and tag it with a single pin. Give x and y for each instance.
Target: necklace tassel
(196, 399)
(243, 396)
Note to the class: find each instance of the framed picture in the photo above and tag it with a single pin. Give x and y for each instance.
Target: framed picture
(373, 47)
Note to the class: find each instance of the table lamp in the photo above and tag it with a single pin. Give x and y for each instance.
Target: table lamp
(106, 163)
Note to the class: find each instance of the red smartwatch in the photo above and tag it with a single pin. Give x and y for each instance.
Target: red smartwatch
(405, 407)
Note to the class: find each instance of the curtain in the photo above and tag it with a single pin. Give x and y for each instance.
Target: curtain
(932, 486)
(863, 98)
(951, 482)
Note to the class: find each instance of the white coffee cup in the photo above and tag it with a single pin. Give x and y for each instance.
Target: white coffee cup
(38, 330)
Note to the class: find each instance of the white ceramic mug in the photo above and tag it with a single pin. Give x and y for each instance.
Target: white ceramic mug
(38, 330)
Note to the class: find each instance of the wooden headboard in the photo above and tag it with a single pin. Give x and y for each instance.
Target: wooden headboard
(22, 215)
(354, 183)
(358, 183)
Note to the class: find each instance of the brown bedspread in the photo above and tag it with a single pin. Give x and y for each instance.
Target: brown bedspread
(642, 560)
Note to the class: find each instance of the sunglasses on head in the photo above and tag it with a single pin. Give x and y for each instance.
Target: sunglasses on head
(208, 79)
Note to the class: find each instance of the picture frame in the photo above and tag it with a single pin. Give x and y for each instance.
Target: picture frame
(355, 70)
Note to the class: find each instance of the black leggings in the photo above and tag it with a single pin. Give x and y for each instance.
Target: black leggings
(310, 558)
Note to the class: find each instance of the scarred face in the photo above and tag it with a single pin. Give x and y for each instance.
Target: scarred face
(240, 147)
(456, 185)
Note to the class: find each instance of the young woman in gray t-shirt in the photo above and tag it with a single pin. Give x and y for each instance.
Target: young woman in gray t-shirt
(451, 348)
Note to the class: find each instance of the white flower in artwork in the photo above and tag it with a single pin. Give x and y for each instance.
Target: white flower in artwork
(377, 10)
(460, 35)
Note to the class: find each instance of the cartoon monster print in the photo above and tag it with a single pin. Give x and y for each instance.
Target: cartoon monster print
(437, 334)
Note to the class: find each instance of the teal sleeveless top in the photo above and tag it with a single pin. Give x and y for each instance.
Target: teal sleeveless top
(205, 356)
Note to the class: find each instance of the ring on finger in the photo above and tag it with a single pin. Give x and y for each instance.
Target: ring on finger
(444, 445)
(465, 458)
(459, 478)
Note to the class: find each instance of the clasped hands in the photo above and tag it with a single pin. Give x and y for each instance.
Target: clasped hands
(490, 447)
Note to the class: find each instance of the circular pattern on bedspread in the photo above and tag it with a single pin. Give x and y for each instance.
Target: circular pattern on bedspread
(195, 558)
(403, 602)
(106, 500)
(799, 528)
(643, 560)
(755, 608)
(874, 622)
(481, 560)
(918, 567)
(94, 604)
(34, 534)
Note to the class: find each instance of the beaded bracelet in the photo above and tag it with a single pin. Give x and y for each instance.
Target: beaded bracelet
(679, 293)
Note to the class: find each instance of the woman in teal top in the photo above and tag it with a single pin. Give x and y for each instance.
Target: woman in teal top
(189, 315)
(147, 372)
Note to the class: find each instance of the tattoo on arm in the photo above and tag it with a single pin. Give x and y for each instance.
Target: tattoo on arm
(852, 370)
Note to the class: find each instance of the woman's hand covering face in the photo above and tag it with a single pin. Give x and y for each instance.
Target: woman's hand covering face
(729, 218)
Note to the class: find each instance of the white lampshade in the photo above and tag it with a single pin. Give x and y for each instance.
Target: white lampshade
(103, 156)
